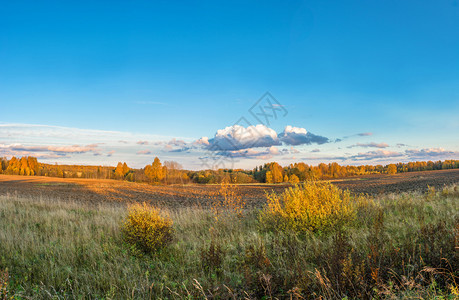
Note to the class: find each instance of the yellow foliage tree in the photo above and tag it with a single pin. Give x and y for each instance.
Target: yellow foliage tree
(391, 169)
(269, 177)
(155, 172)
(294, 179)
(121, 170)
(276, 171)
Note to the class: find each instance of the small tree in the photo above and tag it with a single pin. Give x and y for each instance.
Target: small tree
(294, 179)
(391, 169)
(155, 172)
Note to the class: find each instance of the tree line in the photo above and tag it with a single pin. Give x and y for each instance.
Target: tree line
(171, 172)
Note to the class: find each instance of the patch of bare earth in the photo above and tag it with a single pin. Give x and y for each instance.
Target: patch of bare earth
(95, 190)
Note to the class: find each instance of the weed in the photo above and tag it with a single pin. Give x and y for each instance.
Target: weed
(212, 258)
(228, 200)
(4, 279)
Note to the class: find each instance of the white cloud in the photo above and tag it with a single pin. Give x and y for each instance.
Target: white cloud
(299, 136)
(202, 141)
(237, 137)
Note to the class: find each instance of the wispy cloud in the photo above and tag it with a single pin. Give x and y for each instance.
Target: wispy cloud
(365, 134)
(55, 149)
(370, 145)
(378, 154)
(144, 152)
(430, 153)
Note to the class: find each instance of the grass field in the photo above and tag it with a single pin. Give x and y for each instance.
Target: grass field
(402, 245)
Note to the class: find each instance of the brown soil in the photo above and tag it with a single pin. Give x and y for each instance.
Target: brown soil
(91, 190)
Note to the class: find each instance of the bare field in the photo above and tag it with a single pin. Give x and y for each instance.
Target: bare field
(92, 190)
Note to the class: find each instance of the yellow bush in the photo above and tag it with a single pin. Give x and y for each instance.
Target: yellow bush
(312, 206)
(145, 228)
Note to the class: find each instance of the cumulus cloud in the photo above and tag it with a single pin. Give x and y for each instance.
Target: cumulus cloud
(370, 145)
(299, 136)
(251, 153)
(238, 137)
(202, 141)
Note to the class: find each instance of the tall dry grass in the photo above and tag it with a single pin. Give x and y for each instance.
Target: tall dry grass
(402, 246)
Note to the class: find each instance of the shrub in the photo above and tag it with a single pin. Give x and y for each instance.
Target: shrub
(228, 200)
(294, 179)
(146, 229)
(312, 206)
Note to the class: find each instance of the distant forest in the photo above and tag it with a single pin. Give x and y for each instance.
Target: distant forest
(171, 172)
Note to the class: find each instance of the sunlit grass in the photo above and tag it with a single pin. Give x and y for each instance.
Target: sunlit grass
(404, 245)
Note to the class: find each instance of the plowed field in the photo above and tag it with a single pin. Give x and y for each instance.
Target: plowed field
(92, 190)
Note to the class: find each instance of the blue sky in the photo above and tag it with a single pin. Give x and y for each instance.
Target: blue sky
(73, 74)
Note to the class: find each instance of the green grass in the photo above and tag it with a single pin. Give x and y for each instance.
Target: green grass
(403, 246)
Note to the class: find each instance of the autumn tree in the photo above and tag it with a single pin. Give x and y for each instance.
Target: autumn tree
(121, 170)
(294, 179)
(276, 171)
(174, 172)
(391, 169)
(269, 177)
(155, 172)
(286, 178)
